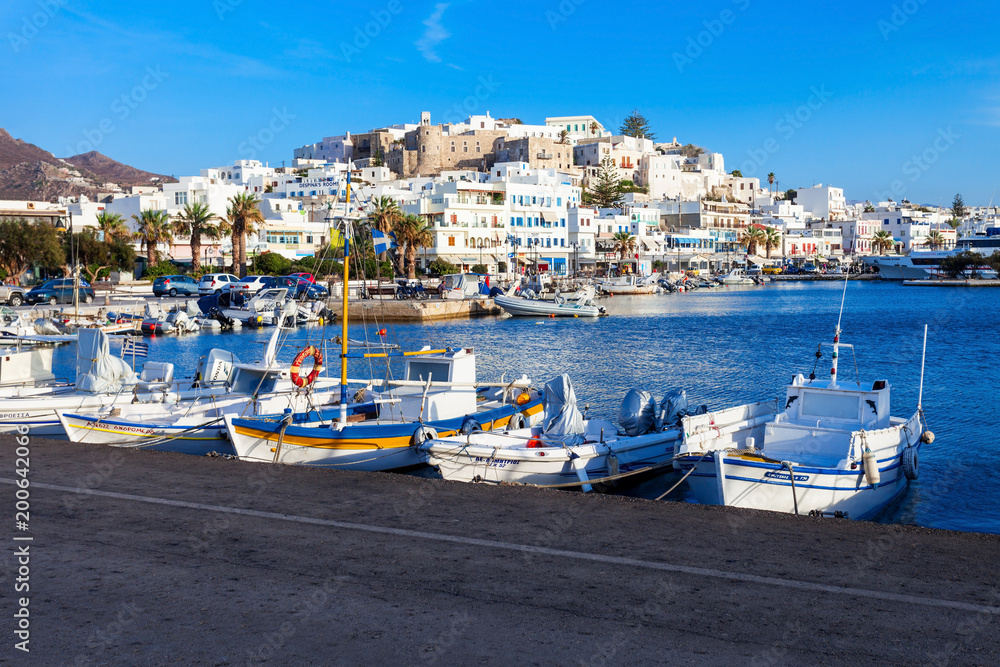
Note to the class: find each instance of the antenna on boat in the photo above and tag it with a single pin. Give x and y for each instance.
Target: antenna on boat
(923, 358)
(836, 336)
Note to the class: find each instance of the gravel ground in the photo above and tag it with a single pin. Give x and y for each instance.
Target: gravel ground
(614, 581)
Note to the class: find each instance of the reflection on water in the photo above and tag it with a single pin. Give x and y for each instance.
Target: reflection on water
(737, 345)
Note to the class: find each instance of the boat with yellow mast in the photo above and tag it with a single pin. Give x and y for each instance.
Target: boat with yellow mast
(382, 425)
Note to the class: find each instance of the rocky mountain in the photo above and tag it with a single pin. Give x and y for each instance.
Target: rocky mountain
(114, 171)
(29, 172)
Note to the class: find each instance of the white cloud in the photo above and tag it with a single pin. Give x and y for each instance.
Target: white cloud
(434, 34)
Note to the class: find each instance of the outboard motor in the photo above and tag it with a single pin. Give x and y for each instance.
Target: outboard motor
(638, 412)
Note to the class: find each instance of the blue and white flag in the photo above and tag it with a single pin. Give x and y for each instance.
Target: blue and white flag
(135, 349)
(382, 241)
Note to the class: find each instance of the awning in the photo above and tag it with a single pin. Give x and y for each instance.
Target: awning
(470, 260)
(760, 261)
(451, 259)
(550, 217)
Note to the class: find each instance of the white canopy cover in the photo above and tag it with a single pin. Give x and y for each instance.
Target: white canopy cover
(97, 372)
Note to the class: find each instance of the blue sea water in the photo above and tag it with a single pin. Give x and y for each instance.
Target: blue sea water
(736, 345)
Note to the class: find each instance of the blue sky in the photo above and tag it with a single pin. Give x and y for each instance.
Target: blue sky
(876, 97)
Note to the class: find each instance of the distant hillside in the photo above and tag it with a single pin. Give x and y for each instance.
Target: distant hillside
(114, 171)
(29, 172)
(14, 151)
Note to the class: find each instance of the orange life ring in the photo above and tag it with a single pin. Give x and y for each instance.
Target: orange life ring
(296, 366)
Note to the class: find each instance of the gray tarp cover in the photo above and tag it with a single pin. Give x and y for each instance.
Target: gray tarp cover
(97, 372)
(673, 406)
(562, 418)
(638, 412)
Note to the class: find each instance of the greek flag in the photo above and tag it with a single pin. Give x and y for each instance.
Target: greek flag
(382, 241)
(135, 349)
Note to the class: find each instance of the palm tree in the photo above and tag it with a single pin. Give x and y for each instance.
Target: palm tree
(594, 127)
(153, 228)
(624, 243)
(113, 226)
(196, 221)
(412, 233)
(751, 237)
(564, 137)
(935, 239)
(882, 240)
(770, 181)
(385, 213)
(244, 216)
(772, 239)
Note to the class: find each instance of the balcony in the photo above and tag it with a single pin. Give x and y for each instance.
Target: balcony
(545, 156)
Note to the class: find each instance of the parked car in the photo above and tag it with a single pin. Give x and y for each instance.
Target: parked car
(174, 285)
(305, 276)
(252, 284)
(809, 268)
(301, 289)
(12, 295)
(214, 283)
(59, 290)
(772, 270)
(792, 270)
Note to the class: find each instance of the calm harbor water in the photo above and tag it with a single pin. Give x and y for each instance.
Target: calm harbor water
(737, 345)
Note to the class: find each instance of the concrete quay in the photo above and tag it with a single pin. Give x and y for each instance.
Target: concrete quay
(147, 558)
(428, 310)
(825, 276)
(946, 282)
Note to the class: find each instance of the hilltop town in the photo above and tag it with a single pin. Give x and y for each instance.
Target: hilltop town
(500, 194)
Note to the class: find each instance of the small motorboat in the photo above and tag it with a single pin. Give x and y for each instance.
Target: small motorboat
(831, 448)
(628, 285)
(527, 304)
(566, 449)
(737, 277)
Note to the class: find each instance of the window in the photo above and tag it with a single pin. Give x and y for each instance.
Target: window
(558, 201)
(180, 198)
(451, 240)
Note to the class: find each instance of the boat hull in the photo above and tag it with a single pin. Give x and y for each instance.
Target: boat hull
(548, 466)
(521, 307)
(749, 482)
(359, 446)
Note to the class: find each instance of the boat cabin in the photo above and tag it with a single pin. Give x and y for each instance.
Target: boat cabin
(820, 417)
(442, 401)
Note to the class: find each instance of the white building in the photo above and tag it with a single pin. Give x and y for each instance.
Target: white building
(579, 127)
(823, 201)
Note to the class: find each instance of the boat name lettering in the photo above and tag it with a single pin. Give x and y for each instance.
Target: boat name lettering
(13, 415)
(495, 463)
(120, 428)
(784, 476)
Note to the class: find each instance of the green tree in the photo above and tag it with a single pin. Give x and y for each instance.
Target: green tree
(564, 137)
(384, 214)
(153, 227)
(607, 191)
(439, 267)
(625, 244)
(196, 221)
(772, 239)
(594, 128)
(24, 243)
(790, 195)
(272, 264)
(882, 240)
(112, 225)
(737, 173)
(935, 239)
(378, 158)
(770, 181)
(958, 208)
(636, 125)
(244, 217)
(412, 233)
(959, 264)
(751, 238)
(98, 256)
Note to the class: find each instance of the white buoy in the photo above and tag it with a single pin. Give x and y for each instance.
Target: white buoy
(872, 474)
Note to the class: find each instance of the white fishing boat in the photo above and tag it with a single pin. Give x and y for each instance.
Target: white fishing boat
(628, 285)
(737, 277)
(461, 286)
(566, 449)
(830, 448)
(579, 304)
(383, 426)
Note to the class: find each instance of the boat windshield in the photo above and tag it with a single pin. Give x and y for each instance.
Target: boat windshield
(830, 405)
(422, 371)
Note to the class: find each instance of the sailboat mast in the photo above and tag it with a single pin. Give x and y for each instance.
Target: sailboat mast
(343, 324)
